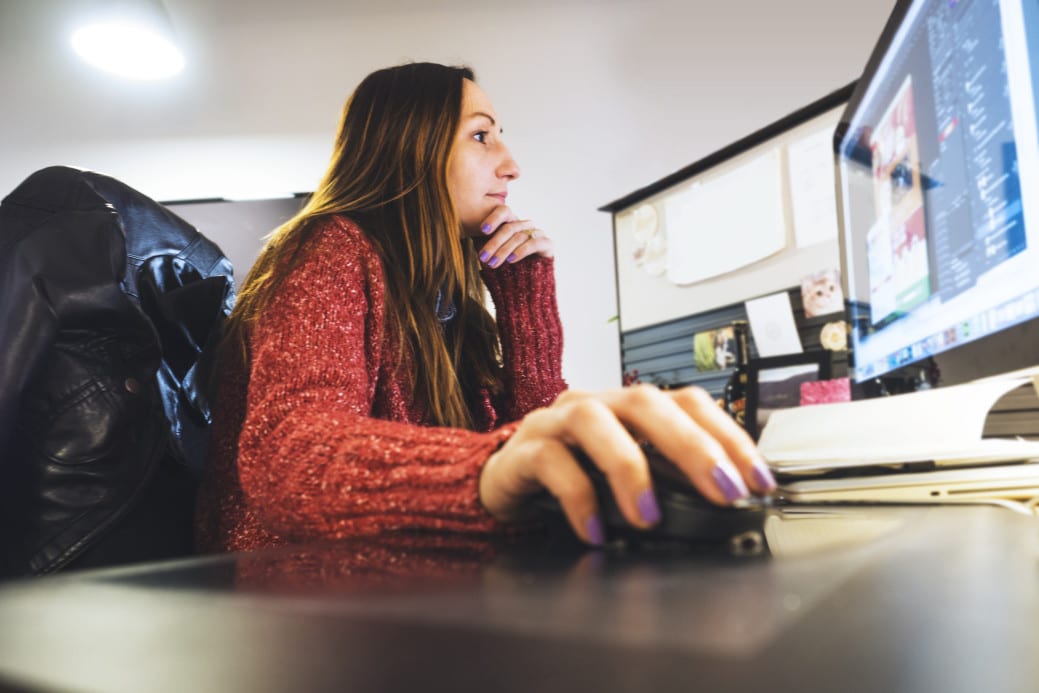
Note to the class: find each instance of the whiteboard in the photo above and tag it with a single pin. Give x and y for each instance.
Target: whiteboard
(754, 224)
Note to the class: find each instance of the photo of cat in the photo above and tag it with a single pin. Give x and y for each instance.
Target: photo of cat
(821, 293)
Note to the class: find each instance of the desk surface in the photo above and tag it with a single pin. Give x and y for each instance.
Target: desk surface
(878, 599)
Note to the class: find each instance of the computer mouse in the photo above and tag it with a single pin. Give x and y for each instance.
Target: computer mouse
(686, 516)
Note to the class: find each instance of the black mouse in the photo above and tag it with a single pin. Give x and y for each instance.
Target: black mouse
(686, 516)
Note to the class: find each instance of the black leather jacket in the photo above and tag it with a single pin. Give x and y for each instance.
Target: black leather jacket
(107, 302)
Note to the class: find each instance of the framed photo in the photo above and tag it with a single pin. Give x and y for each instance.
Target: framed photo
(714, 350)
(775, 383)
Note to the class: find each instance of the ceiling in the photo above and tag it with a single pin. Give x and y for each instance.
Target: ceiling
(253, 65)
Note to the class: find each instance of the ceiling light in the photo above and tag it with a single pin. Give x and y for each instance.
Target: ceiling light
(133, 40)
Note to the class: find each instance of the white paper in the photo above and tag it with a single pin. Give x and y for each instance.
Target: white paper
(812, 193)
(943, 425)
(726, 223)
(771, 320)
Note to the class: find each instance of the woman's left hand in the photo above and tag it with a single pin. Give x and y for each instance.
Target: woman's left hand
(511, 239)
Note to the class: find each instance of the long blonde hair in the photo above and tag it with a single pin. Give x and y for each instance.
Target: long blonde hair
(389, 174)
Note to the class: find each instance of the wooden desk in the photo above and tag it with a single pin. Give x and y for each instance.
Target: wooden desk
(883, 599)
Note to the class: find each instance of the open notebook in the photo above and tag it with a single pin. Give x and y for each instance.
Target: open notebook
(922, 447)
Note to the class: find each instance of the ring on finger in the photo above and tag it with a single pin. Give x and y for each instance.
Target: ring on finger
(531, 233)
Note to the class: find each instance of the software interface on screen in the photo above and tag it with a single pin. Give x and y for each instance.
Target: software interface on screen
(940, 245)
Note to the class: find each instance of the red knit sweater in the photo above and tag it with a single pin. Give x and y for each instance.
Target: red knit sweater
(323, 438)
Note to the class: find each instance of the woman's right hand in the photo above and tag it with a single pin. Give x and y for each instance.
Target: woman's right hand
(510, 239)
(685, 425)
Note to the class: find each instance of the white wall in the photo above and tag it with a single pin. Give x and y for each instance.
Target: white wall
(598, 98)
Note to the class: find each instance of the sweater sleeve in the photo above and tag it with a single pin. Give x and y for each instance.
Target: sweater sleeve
(313, 462)
(531, 333)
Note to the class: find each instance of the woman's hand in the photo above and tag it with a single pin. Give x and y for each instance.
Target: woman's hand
(685, 425)
(511, 239)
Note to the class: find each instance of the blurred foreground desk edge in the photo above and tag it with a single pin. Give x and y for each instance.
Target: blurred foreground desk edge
(850, 599)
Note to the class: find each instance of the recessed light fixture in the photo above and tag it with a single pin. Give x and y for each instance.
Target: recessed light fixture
(131, 39)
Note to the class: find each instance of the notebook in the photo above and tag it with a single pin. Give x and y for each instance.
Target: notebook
(944, 426)
(925, 447)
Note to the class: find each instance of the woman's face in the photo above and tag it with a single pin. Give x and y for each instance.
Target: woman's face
(480, 167)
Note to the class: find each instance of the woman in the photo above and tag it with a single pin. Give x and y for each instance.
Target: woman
(365, 388)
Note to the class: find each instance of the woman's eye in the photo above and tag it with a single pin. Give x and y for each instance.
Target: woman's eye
(481, 137)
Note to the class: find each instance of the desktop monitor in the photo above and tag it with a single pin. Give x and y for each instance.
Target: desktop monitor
(937, 160)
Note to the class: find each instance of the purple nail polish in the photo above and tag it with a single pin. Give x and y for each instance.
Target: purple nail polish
(648, 508)
(763, 477)
(511, 257)
(484, 255)
(494, 262)
(595, 532)
(731, 488)
(486, 228)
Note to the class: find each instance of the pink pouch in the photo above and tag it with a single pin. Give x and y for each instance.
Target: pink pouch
(823, 391)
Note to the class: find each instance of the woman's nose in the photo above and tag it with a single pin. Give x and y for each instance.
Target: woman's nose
(508, 168)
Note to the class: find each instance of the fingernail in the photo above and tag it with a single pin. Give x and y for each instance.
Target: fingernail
(596, 536)
(511, 257)
(648, 508)
(731, 488)
(486, 228)
(494, 262)
(484, 255)
(763, 477)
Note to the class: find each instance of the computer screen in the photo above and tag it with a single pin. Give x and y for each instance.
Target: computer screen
(938, 182)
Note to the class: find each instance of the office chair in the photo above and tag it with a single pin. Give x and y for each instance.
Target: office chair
(110, 305)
